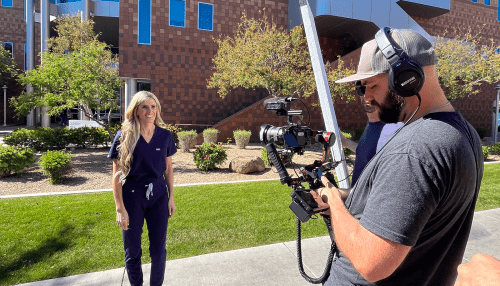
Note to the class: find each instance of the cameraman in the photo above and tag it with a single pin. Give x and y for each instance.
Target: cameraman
(407, 219)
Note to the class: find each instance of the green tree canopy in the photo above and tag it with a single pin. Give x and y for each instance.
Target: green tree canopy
(7, 66)
(77, 71)
(261, 54)
(465, 63)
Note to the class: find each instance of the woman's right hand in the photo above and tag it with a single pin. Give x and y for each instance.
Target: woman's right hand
(122, 219)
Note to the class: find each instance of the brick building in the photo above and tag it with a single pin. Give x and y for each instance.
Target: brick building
(13, 38)
(167, 47)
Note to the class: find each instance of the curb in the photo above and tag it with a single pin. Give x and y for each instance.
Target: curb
(110, 190)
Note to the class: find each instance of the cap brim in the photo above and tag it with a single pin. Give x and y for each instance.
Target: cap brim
(355, 77)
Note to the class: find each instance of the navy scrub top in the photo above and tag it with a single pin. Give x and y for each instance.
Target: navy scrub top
(148, 161)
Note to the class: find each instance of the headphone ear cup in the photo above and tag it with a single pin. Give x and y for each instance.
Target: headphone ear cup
(405, 77)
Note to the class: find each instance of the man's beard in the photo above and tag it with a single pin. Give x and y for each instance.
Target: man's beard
(390, 109)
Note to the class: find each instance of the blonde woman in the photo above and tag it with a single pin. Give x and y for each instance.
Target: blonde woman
(143, 184)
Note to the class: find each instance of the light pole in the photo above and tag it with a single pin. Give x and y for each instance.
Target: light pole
(4, 105)
(497, 87)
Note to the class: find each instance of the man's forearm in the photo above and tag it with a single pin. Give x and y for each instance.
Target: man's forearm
(374, 257)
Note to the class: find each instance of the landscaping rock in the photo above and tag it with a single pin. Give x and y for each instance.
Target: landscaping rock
(245, 165)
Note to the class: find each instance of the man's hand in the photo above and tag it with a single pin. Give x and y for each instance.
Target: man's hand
(326, 195)
(482, 270)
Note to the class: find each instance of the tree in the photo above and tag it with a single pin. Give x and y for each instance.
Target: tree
(261, 54)
(77, 71)
(7, 66)
(465, 64)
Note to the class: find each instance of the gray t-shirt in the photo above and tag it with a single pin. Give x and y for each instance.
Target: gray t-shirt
(419, 190)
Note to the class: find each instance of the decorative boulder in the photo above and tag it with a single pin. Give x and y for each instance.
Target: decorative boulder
(245, 165)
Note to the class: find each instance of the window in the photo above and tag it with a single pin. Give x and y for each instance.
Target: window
(144, 30)
(487, 2)
(474, 1)
(9, 47)
(498, 13)
(177, 15)
(7, 3)
(205, 16)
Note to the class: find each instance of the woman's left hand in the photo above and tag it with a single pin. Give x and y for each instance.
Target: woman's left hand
(171, 208)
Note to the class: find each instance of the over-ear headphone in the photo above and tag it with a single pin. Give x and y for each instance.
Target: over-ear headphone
(406, 76)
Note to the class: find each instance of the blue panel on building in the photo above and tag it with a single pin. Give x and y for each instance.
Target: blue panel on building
(362, 9)
(487, 2)
(7, 3)
(381, 13)
(349, 15)
(205, 16)
(341, 8)
(177, 15)
(144, 25)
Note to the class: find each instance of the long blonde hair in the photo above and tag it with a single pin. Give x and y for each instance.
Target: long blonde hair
(131, 131)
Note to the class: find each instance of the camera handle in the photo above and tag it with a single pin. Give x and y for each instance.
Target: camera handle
(333, 248)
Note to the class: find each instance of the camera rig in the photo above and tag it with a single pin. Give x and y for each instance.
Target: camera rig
(294, 137)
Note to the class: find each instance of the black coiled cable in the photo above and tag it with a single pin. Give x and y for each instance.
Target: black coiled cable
(333, 248)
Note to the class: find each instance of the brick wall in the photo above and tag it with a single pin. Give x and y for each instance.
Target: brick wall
(179, 60)
(464, 14)
(476, 109)
(13, 29)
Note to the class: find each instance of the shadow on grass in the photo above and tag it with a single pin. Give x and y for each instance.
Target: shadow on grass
(59, 242)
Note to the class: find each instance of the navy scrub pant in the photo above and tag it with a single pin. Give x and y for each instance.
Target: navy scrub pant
(155, 211)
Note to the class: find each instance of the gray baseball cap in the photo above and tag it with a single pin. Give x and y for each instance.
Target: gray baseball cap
(372, 62)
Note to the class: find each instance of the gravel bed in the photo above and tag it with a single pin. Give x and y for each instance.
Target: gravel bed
(92, 170)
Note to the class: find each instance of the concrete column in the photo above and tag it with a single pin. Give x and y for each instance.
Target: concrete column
(495, 130)
(45, 34)
(85, 15)
(130, 90)
(85, 9)
(30, 50)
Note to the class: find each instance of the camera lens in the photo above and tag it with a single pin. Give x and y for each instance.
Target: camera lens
(271, 134)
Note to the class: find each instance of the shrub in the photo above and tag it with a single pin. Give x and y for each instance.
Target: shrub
(44, 138)
(15, 159)
(486, 152)
(242, 137)
(55, 164)
(495, 148)
(481, 132)
(187, 139)
(20, 137)
(174, 130)
(210, 135)
(208, 155)
(347, 152)
(286, 159)
(349, 134)
(265, 157)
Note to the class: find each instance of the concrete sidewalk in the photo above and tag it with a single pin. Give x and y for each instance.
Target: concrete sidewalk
(274, 264)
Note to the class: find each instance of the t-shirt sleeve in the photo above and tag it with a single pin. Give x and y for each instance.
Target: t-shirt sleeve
(403, 198)
(170, 144)
(113, 151)
(387, 131)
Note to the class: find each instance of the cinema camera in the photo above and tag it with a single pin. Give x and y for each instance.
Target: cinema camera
(294, 138)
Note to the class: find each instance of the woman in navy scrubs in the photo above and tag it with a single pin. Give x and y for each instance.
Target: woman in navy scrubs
(143, 184)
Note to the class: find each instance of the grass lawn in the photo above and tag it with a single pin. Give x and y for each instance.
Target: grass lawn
(56, 236)
(489, 194)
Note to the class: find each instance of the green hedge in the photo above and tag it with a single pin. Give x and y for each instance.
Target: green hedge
(45, 138)
(15, 159)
